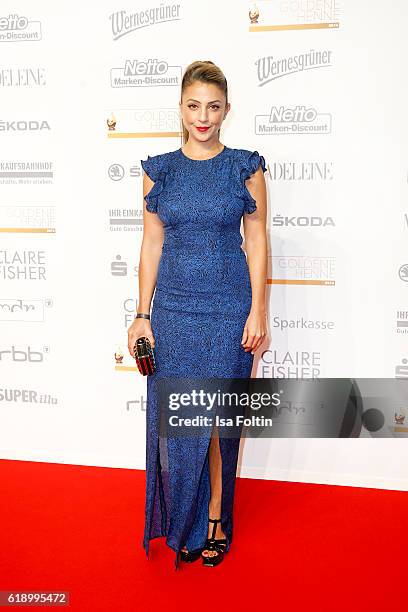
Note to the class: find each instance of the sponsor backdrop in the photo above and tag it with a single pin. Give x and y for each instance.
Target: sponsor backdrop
(89, 90)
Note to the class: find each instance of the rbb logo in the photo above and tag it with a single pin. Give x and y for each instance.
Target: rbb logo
(22, 355)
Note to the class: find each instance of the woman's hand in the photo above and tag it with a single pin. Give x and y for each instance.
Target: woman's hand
(140, 327)
(255, 330)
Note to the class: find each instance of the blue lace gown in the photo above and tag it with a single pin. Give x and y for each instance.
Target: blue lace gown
(199, 309)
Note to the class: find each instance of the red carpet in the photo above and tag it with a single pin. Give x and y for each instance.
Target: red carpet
(296, 546)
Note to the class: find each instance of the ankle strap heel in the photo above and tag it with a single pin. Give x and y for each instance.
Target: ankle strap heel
(213, 544)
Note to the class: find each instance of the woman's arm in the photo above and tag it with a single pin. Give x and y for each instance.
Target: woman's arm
(256, 249)
(150, 252)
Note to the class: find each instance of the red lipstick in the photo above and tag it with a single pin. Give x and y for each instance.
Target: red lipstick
(202, 129)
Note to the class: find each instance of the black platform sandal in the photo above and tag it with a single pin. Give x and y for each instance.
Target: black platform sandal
(213, 544)
(190, 555)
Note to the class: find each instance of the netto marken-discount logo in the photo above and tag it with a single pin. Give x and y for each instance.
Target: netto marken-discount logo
(149, 73)
(17, 28)
(282, 121)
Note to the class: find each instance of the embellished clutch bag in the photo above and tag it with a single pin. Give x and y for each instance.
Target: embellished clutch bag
(144, 356)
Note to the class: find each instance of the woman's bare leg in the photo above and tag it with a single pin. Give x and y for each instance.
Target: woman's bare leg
(214, 507)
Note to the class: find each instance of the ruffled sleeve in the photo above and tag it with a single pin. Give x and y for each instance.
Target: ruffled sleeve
(249, 164)
(154, 168)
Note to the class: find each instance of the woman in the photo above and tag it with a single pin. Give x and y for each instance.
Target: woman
(208, 315)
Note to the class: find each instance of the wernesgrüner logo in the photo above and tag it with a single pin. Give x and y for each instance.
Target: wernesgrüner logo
(270, 68)
(123, 23)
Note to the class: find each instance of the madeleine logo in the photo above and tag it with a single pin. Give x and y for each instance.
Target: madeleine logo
(22, 76)
(301, 170)
(294, 15)
(123, 23)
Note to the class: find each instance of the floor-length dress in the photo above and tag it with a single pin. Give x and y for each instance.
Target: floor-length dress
(199, 309)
